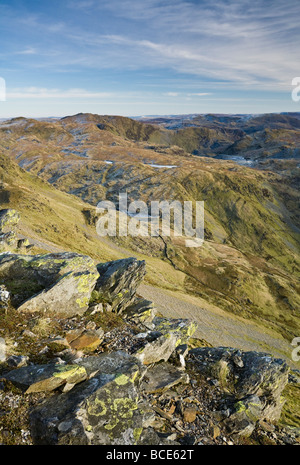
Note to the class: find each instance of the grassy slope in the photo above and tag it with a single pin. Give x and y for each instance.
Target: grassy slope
(56, 220)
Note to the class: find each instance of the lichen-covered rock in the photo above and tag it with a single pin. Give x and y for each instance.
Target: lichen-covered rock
(141, 311)
(39, 378)
(9, 219)
(244, 374)
(167, 335)
(114, 362)
(101, 410)
(59, 283)
(118, 282)
(246, 414)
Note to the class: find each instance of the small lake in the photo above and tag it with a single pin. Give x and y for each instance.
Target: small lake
(237, 158)
(154, 165)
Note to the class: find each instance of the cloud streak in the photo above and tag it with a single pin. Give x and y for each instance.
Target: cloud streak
(249, 43)
(44, 93)
(164, 50)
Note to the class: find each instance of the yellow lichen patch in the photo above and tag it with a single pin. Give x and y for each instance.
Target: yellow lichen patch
(97, 407)
(68, 372)
(121, 380)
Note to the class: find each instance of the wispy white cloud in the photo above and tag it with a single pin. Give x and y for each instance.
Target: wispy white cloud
(27, 51)
(237, 44)
(44, 93)
(171, 94)
(199, 94)
(247, 42)
(81, 4)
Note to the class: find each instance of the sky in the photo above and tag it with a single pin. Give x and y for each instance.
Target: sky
(148, 57)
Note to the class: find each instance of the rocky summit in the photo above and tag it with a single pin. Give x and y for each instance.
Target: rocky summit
(86, 360)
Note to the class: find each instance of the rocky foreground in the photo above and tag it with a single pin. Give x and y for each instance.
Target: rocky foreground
(84, 360)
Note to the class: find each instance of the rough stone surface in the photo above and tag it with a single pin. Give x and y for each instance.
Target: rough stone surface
(9, 219)
(247, 412)
(47, 377)
(167, 335)
(52, 283)
(102, 410)
(141, 311)
(245, 374)
(118, 281)
(87, 340)
(115, 362)
(161, 377)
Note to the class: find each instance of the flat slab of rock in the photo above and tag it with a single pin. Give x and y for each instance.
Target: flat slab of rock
(119, 362)
(87, 340)
(162, 377)
(39, 378)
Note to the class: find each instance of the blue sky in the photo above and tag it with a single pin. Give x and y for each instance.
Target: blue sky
(146, 57)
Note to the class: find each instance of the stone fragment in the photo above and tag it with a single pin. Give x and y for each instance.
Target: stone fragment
(38, 378)
(162, 377)
(190, 414)
(168, 334)
(87, 341)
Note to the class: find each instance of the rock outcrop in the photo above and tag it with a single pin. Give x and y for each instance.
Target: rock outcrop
(254, 380)
(118, 282)
(102, 410)
(160, 343)
(9, 220)
(139, 383)
(51, 283)
(63, 283)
